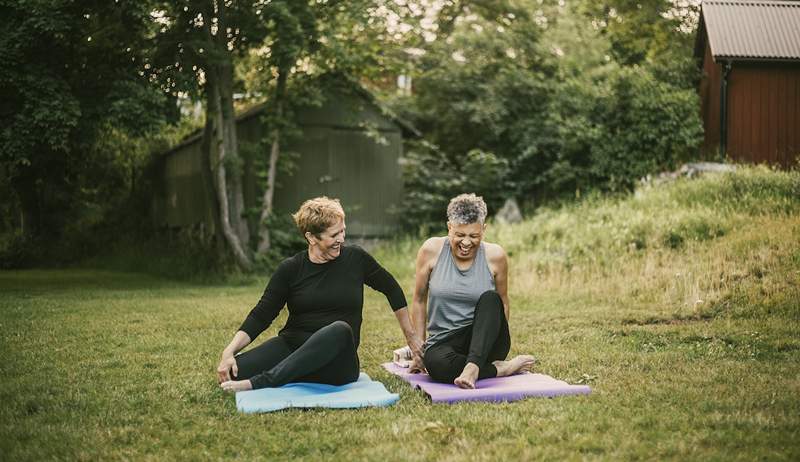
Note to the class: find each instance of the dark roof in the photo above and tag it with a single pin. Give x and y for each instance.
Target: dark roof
(406, 127)
(751, 30)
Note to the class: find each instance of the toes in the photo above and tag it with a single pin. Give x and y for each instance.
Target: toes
(463, 383)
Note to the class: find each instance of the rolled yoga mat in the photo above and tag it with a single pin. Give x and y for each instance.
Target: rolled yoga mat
(497, 389)
(363, 393)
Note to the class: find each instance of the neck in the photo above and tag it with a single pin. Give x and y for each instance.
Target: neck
(315, 256)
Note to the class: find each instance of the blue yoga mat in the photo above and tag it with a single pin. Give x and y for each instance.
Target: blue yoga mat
(362, 393)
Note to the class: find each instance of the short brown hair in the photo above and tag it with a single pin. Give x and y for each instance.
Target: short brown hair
(318, 214)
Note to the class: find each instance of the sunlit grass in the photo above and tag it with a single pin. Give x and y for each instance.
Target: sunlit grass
(680, 306)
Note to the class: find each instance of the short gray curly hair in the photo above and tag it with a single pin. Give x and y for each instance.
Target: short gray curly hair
(466, 209)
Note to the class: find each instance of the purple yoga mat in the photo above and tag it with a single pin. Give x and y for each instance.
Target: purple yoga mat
(496, 389)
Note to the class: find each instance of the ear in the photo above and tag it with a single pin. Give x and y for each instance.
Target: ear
(310, 238)
(449, 226)
(483, 229)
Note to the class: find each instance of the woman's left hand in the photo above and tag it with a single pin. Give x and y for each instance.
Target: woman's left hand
(236, 385)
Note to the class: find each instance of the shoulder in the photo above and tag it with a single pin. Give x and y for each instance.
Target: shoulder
(430, 248)
(352, 251)
(292, 263)
(356, 255)
(495, 253)
(288, 268)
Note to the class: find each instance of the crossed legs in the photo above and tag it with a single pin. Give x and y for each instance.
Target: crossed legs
(477, 351)
(327, 356)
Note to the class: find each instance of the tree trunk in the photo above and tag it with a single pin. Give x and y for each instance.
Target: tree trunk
(44, 194)
(209, 159)
(274, 153)
(264, 243)
(229, 137)
(221, 133)
(24, 186)
(218, 146)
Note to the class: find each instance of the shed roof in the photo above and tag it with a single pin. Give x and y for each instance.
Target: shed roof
(752, 30)
(406, 127)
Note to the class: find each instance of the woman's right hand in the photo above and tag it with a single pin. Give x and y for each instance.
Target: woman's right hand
(227, 365)
(417, 366)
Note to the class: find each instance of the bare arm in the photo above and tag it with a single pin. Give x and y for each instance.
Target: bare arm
(425, 260)
(498, 260)
(419, 300)
(413, 339)
(227, 368)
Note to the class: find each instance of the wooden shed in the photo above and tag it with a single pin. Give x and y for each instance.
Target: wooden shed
(749, 52)
(348, 148)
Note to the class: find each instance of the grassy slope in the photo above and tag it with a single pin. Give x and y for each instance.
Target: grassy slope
(679, 306)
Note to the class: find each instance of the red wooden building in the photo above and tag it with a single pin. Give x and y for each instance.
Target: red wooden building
(750, 89)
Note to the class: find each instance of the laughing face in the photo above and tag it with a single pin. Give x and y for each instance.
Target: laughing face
(327, 245)
(465, 239)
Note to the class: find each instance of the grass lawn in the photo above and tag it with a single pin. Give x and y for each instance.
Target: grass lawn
(680, 306)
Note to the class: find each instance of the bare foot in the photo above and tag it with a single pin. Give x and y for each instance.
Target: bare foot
(521, 363)
(468, 376)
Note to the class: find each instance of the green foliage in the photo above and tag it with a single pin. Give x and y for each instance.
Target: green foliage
(568, 103)
(285, 240)
(430, 181)
(755, 190)
(651, 31)
(178, 255)
(72, 76)
(666, 217)
(643, 126)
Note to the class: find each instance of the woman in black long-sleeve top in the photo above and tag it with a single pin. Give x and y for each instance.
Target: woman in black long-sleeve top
(323, 288)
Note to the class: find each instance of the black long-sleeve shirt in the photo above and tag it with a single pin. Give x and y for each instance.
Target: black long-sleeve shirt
(318, 294)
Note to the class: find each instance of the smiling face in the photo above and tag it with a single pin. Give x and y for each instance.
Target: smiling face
(327, 245)
(465, 239)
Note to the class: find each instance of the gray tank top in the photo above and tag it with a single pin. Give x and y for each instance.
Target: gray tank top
(453, 293)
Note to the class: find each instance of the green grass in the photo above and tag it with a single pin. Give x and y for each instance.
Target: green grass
(680, 306)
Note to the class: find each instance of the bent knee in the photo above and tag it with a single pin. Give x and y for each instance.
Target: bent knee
(439, 369)
(441, 374)
(340, 330)
(491, 296)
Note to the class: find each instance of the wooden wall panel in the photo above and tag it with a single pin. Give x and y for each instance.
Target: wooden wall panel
(781, 135)
(763, 119)
(793, 120)
(709, 102)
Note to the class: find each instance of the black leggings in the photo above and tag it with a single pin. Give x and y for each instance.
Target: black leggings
(486, 340)
(326, 356)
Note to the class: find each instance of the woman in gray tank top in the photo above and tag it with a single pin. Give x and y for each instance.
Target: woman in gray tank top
(461, 300)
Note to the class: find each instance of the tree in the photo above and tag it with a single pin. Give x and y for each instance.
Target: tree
(200, 42)
(196, 46)
(486, 86)
(547, 98)
(70, 71)
(307, 40)
(292, 29)
(658, 34)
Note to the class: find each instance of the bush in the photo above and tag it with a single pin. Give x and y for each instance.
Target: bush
(285, 240)
(544, 140)
(431, 179)
(644, 126)
(672, 217)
